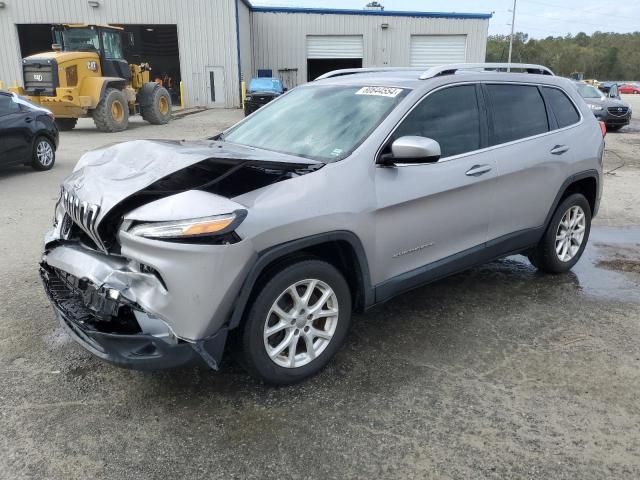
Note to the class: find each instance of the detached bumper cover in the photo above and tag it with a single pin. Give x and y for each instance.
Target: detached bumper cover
(138, 351)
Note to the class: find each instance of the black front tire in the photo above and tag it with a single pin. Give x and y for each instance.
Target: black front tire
(112, 113)
(43, 156)
(251, 349)
(66, 124)
(158, 111)
(544, 256)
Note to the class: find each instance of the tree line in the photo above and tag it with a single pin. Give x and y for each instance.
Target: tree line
(603, 56)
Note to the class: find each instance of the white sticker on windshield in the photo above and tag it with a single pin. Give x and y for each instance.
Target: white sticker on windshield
(379, 91)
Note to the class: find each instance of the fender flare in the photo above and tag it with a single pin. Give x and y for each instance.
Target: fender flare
(563, 188)
(269, 256)
(95, 87)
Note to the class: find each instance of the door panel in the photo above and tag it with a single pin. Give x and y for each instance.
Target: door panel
(529, 177)
(532, 166)
(430, 212)
(14, 132)
(214, 77)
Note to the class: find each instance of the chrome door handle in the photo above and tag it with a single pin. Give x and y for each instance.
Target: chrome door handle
(478, 170)
(559, 149)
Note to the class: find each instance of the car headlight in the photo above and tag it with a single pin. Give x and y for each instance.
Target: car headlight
(597, 108)
(189, 228)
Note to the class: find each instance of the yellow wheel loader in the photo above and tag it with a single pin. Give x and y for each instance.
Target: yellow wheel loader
(86, 75)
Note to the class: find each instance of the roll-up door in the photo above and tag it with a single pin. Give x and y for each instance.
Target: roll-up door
(334, 46)
(431, 50)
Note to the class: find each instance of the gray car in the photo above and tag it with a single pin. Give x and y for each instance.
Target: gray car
(607, 107)
(335, 197)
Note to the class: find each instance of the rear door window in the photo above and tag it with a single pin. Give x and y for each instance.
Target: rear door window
(518, 112)
(563, 108)
(450, 116)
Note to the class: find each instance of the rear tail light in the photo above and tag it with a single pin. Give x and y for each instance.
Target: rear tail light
(603, 129)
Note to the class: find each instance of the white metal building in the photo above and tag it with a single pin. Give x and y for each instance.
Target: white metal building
(212, 44)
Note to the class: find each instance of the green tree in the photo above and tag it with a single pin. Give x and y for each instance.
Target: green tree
(603, 55)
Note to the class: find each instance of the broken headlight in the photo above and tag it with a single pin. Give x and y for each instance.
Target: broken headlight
(189, 228)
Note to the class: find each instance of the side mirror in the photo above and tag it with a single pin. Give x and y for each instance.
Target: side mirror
(412, 149)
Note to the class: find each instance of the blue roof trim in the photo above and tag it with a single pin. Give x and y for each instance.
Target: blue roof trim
(380, 13)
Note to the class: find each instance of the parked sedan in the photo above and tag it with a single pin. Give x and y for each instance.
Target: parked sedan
(630, 88)
(28, 133)
(260, 92)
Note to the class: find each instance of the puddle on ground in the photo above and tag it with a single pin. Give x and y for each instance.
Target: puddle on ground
(610, 265)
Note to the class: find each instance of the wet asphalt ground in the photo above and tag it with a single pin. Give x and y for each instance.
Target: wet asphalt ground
(498, 372)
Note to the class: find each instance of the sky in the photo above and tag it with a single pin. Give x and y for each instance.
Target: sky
(538, 18)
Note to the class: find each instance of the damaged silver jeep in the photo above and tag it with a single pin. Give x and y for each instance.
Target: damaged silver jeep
(338, 195)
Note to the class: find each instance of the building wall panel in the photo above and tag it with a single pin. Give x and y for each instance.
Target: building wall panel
(246, 57)
(279, 38)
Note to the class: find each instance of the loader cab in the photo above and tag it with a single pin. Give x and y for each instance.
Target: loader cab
(106, 41)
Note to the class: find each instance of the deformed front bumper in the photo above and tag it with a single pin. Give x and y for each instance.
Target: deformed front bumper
(116, 332)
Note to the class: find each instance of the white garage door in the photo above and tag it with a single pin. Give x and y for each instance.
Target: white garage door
(334, 46)
(431, 50)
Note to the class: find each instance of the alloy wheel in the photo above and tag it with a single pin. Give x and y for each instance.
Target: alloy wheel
(570, 233)
(44, 152)
(301, 323)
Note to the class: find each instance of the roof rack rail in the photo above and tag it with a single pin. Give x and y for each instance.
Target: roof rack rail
(353, 71)
(453, 68)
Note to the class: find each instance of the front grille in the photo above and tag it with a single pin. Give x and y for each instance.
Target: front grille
(84, 214)
(40, 77)
(618, 111)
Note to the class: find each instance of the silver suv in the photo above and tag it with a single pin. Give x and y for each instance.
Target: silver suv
(333, 198)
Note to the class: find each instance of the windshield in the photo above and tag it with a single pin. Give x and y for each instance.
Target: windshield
(587, 91)
(265, 85)
(319, 122)
(81, 40)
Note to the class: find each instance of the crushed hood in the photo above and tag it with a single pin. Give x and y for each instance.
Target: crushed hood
(107, 176)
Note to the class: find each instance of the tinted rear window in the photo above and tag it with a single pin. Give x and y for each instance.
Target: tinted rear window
(518, 111)
(563, 108)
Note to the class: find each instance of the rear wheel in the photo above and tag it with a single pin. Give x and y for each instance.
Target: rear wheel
(158, 112)
(44, 154)
(565, 238)
(112, 113)
(296, 323)
(66, 124)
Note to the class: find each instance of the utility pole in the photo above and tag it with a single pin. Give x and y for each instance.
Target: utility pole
(513, 23)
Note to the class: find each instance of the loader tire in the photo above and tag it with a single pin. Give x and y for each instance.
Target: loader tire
(112, 113)
(158, 111)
